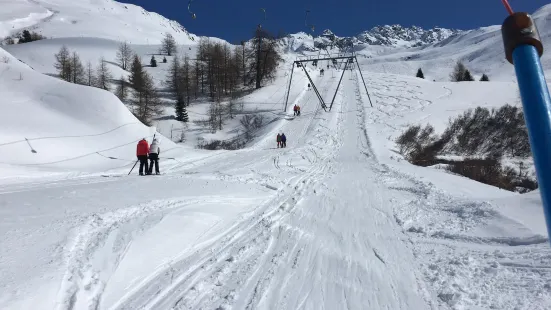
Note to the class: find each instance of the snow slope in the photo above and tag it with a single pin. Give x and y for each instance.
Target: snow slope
(481, 50)
(52, 126)
(106, 19)
(334, 220)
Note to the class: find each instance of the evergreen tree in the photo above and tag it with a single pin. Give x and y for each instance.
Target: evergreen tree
(136, 74)
(185, 117)
(124, 55)
(458, 73)
(168, 45)
(25, 37)
(122, 91)
(103, 75)
(468, 77)
(153, 62)
(420, 74)
(63, 63)
(484, 78)
(78, 75)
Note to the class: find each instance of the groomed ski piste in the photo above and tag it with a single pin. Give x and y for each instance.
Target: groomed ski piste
(337, 220)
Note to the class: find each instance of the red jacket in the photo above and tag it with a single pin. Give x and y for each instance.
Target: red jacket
(143, 148)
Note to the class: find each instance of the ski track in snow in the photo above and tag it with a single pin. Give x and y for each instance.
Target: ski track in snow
(462, 270)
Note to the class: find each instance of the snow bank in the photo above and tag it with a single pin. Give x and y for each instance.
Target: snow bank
(54, 124)
(105, 19)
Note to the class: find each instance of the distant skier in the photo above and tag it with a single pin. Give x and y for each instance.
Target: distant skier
(298, 110)
(141, 151)
(295, 109)
(308, 86)
(283, 140)
(278, 139)
(322, 72)
(154, 152)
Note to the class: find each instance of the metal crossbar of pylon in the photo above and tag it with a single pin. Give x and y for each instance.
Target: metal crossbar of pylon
(349, 60)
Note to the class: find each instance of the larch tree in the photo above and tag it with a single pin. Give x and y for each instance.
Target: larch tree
(103, 75)
(78, 75)
(124, 55)
(63, 63)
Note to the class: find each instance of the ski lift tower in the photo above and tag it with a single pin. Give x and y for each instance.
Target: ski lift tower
(348, 59)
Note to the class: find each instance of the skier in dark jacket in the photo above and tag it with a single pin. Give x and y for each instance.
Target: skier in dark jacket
(141, 151)
(154, 152)
(278, 139)
(283, 140)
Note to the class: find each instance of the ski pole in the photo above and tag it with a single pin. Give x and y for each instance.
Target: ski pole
(523, 49)
(133, 167)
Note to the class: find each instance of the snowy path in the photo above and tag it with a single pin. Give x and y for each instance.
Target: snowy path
(317, 244)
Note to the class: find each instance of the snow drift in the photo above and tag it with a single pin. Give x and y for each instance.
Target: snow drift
(50, 123)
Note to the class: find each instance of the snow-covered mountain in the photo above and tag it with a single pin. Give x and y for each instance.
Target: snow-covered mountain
(388, 36)
(105, 19)
(397, 35)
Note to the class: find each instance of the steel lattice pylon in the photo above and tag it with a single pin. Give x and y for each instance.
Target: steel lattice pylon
(349, 60)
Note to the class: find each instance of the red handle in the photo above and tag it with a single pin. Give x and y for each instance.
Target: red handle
(508, 7)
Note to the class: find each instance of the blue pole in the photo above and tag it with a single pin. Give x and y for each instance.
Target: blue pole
(537, 113)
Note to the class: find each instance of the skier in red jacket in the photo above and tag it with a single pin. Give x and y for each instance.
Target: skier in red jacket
(142, 151)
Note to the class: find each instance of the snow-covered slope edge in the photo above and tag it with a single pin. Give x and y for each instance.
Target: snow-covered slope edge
(53, 125)
(106, 19)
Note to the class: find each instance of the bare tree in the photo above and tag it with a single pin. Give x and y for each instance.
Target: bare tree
(103, 75)
(174, 84)
(186, 80)
(122, 91)
(216, 115)
(458, 73)
(77, 70)
(263, 56)
(63, 63)
(168, 45)
(150, 104)
(124, 55)
(90, 78)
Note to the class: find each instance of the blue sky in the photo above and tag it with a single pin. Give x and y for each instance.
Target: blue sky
(234, 20)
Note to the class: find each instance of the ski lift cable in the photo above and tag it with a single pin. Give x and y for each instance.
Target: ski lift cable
(264, 10)
(189, 10)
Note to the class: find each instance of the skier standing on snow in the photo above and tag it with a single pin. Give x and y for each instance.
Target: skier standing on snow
(283, 140)
(295, 110)
(298, 110)
(308, 86)
(154, 152)
(278, 139)
(141, 152)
